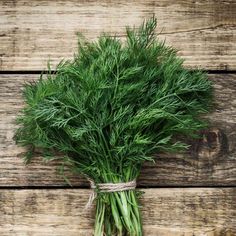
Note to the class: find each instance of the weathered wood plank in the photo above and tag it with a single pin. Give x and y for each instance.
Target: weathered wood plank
(166, 212)
(210, 161)
(33, 31)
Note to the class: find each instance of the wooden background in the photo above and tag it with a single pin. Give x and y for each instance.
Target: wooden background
(185, 195)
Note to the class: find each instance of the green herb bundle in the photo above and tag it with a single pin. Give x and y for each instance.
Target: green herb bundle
(110, 109)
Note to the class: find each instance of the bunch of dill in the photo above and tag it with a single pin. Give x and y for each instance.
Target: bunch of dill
(110, 109)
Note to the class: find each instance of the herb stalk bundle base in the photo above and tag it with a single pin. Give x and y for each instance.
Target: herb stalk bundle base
(118, 214)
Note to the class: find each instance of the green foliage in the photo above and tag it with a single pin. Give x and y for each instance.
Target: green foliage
(114, 105)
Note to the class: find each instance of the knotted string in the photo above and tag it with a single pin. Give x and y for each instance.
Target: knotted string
(108, 188)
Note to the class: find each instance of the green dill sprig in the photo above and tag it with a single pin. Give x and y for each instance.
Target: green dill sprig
(110, 109)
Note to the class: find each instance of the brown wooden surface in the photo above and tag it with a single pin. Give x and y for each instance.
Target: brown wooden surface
(204, 32)
(166, 212)
(211, 161)
(33, 31)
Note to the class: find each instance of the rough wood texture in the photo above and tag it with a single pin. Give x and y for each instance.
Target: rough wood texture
(166, 212)
(211, 160)
(31, 32)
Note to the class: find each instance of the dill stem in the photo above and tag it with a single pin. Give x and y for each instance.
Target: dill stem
(122, 216)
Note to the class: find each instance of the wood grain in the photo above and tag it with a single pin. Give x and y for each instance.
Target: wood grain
(166, 212)
(210, 161)
(33, 31)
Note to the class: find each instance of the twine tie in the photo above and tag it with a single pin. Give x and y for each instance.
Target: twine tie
(108, 188)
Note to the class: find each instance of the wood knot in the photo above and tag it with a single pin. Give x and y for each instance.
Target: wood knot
(212, 145)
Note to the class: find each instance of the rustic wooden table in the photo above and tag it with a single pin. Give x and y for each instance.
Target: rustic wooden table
(189, 194)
